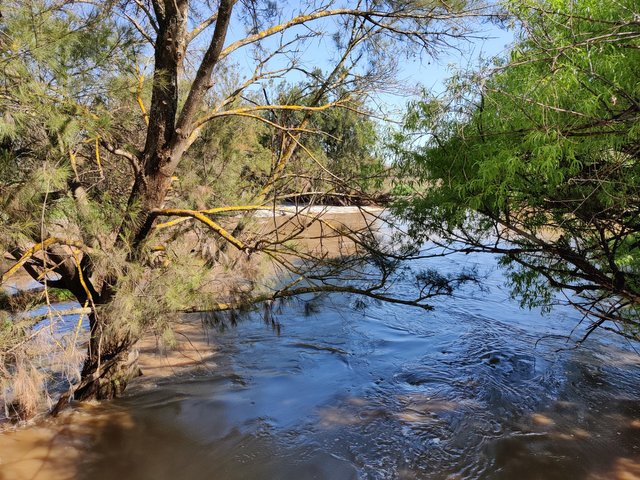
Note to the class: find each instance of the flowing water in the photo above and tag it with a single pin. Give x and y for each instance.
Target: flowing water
(476, 388)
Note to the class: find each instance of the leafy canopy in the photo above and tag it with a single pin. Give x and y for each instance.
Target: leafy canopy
(543, 148)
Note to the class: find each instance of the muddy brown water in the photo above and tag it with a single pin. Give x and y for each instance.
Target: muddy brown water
(475, 389)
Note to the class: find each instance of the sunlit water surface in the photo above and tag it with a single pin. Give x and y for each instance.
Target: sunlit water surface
(476, 388)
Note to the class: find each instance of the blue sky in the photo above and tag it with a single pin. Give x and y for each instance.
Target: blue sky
(416, 72)
(431, 74)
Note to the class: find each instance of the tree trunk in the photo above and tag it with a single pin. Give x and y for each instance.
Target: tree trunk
(110, 365)
(106, 374)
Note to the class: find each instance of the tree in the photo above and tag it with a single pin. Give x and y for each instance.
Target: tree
(341, 159)
(108, 107)
(537, 160)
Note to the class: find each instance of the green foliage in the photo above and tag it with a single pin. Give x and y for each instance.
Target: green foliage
(546, 147)
(226, 165)
(61, 71)
(341, 151)
(148, 299)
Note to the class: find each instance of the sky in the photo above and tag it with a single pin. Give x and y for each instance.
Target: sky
(420, 73)
(416, 73)
(430, 75)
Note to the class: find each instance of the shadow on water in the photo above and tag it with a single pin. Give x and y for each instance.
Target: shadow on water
(465, 391)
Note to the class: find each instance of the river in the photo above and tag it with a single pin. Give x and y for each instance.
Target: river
(475, 389)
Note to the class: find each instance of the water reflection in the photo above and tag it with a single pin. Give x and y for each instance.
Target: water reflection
(465, 391)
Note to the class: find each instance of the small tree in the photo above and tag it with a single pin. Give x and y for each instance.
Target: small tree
(537, 160)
